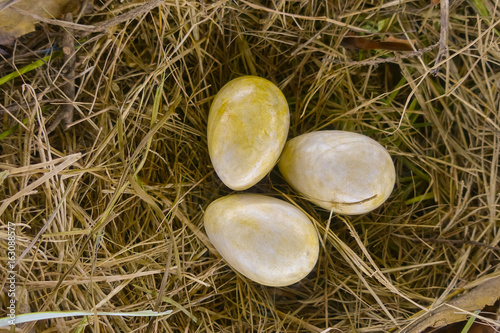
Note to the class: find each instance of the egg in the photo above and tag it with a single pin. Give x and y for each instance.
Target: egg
(247, 128)
(265, 239)
(345, 172)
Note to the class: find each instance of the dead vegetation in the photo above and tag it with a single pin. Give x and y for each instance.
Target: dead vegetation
(109, 213)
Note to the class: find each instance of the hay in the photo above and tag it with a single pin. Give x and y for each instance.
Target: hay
(119, 228)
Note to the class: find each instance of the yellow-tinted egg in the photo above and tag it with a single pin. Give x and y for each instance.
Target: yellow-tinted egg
(266, 239)
(247, 129)
(346, 172)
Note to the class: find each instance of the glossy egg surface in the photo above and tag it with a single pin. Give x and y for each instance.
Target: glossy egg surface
(247, 129)
(267, 240)
(346, 172)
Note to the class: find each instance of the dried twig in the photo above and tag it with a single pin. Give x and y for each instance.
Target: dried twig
(100, 26)
(451, 241)
(68, 45)
(379, 61)
(443, 36)
(16, 108)
(7, 4)
(305, 17)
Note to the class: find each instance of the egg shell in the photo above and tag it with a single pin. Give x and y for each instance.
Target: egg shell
(266, 239)
(346, 172)
(247, 129)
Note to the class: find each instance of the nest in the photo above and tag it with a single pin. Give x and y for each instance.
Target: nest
(105, 172)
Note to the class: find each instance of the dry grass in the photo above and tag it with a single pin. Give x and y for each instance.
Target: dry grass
(109, 214)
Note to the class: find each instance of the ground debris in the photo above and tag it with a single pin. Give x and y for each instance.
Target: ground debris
(14, 22)
(484, 295)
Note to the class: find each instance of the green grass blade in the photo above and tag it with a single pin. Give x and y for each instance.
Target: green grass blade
(12, 129)
(30, 67)
(421, 197)
(27, 317)
(470, 322)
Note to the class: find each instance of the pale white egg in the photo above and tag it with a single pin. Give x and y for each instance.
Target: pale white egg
(247, 129)
(265, 239)
(346, 172)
